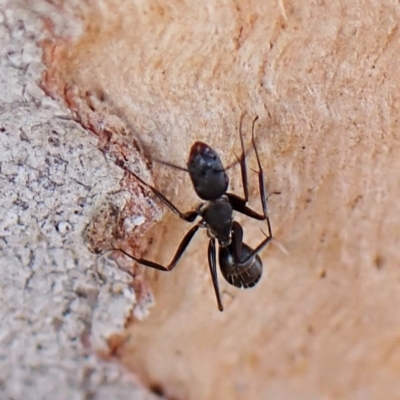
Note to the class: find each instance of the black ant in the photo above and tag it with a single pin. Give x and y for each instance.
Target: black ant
(239, 263)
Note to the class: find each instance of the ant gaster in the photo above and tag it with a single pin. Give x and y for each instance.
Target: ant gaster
(239, 263)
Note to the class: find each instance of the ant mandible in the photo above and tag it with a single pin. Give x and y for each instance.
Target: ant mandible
(240, 265)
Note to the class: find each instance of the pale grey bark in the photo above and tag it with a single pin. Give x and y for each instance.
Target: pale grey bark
(53, 292)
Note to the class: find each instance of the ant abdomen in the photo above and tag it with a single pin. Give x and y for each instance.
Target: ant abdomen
(245, 276)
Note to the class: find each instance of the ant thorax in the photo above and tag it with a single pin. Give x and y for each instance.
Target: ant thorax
(218, 217)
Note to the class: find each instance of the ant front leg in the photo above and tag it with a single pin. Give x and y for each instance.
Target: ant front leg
(243, 166)
(179, 252)
(261, 180)
(189, 216)
(238, 203)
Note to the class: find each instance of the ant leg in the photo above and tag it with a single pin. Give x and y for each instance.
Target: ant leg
(179, 252)
(213, 270)
(237, 244)
(238, 203)
(242, 160)
(237, 240)
(189, 216)
(261, 181)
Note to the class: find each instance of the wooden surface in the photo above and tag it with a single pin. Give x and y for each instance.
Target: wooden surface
(322, 76)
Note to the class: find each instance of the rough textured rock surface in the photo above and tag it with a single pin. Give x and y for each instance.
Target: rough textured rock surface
(58, 301)
(322, 77)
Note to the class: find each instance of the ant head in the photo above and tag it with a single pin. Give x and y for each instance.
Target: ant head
(207, 172)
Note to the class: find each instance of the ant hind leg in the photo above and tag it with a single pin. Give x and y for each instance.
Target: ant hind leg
(178, 254)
